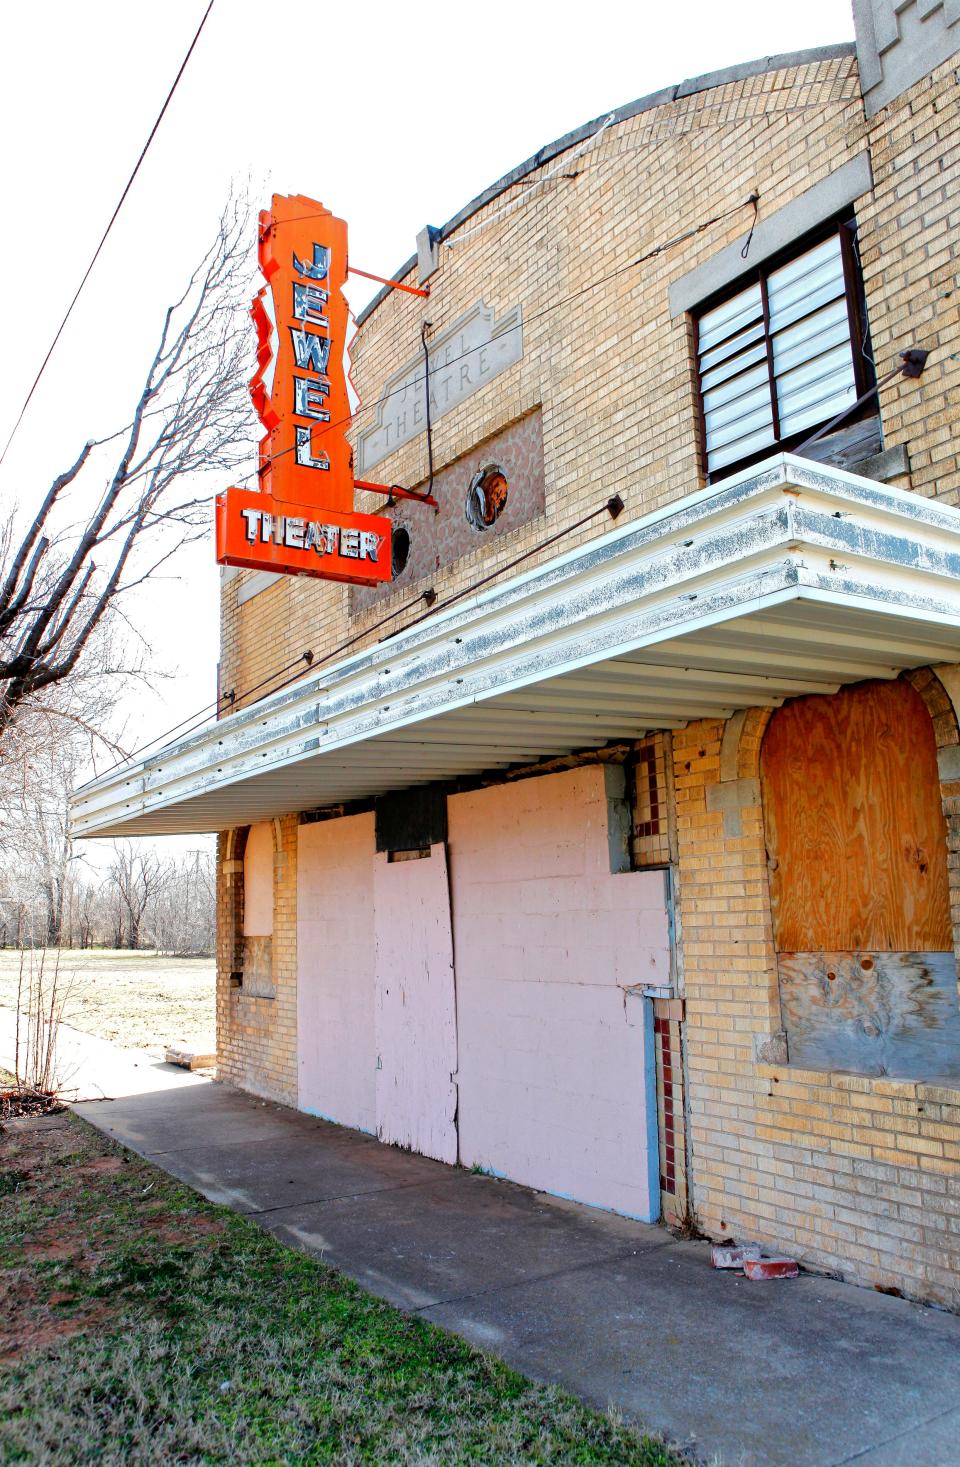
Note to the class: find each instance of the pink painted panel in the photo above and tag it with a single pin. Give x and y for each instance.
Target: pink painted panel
(415, 1021)
(555, 1055)
(258, 881)
(336, 1050)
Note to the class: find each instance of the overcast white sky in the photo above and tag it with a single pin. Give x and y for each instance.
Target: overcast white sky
(392, 116)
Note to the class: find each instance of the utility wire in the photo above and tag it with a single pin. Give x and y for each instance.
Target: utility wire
(612, 506)
(651, 254)
(113, 216)
(432, 604)
(233, 698)
(194, 719)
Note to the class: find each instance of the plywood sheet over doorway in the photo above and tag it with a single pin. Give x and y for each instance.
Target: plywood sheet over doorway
(553, 951)
(854, 825)
(856, 844)
(415, 1005)
(336, 1050)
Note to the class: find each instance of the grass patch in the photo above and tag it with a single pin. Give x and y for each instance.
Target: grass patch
(144, 1325)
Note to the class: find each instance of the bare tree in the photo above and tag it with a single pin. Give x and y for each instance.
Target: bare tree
(137, 876)
(60, 580)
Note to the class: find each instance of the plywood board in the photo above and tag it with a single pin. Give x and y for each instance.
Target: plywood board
(855, 832)
(258, 881)
(872, 1013)
(415, 1015)
(553, 952)
(336, 1051)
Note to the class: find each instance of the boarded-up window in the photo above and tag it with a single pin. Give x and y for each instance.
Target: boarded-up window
(855, 829)
(856, 844)
(258, 882)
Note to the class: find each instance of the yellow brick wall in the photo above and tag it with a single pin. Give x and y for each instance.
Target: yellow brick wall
(257, 1036)
(910, 228)
(610, 368)
(854, 1175)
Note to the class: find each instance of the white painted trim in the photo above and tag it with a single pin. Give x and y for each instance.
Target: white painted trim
(842, 578)
(256, 583)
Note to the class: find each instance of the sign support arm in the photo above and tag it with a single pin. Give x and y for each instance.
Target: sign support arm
(395, 492)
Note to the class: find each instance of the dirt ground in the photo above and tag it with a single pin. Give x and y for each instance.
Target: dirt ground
(140, 1000)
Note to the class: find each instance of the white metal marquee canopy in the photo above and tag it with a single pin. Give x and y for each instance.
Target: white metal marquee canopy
(791, 577)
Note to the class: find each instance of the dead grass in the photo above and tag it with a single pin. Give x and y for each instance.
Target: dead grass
(139, 1000)
(142, 1325)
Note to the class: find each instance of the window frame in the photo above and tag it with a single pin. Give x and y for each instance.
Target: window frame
(844, 225)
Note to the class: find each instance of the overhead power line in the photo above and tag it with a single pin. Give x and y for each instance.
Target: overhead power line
(113, 216)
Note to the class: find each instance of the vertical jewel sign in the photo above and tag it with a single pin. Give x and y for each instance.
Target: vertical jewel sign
(301, 519)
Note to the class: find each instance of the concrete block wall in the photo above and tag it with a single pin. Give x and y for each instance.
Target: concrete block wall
(553, 953)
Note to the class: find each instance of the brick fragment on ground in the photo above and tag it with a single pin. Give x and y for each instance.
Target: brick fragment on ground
(188, 1059)
(771, 1268)
(729, 1255)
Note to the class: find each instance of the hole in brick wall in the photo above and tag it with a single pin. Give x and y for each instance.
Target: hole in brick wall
(486, 497)
(400, 551)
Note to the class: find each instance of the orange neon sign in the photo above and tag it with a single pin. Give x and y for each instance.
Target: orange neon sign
(301, 519)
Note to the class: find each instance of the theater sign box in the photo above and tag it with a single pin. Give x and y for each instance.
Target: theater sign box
(301, 519)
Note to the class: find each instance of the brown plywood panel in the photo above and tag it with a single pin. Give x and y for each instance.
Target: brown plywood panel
(872, 1013)
(855, 832)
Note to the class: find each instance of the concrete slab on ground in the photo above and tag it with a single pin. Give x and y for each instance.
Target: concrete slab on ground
(89, 1068)
(800, 1373)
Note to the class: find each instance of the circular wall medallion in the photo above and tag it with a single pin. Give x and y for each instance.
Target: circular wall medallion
(400, 551)
(486, 496)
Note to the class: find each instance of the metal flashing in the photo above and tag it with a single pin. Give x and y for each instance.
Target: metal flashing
(790, 577)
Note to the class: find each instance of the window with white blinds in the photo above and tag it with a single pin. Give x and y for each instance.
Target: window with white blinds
(777, 358)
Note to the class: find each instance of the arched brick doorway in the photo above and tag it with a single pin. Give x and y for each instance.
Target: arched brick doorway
(857, 859)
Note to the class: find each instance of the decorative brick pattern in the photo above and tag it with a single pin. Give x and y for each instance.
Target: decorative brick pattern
(438, 539)
(651, 843)
(668, 1037)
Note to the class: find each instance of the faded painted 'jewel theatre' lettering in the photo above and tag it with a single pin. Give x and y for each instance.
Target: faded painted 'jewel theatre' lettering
(463, 358)
(306, 461)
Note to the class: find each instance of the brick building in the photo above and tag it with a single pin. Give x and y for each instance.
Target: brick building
(616, 849)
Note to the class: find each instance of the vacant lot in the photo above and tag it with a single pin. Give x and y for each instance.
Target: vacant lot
(141, 1325)
(139, 1000)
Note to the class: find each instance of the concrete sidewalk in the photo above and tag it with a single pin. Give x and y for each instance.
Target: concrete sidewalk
(89, 1068)
(808, 1373)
